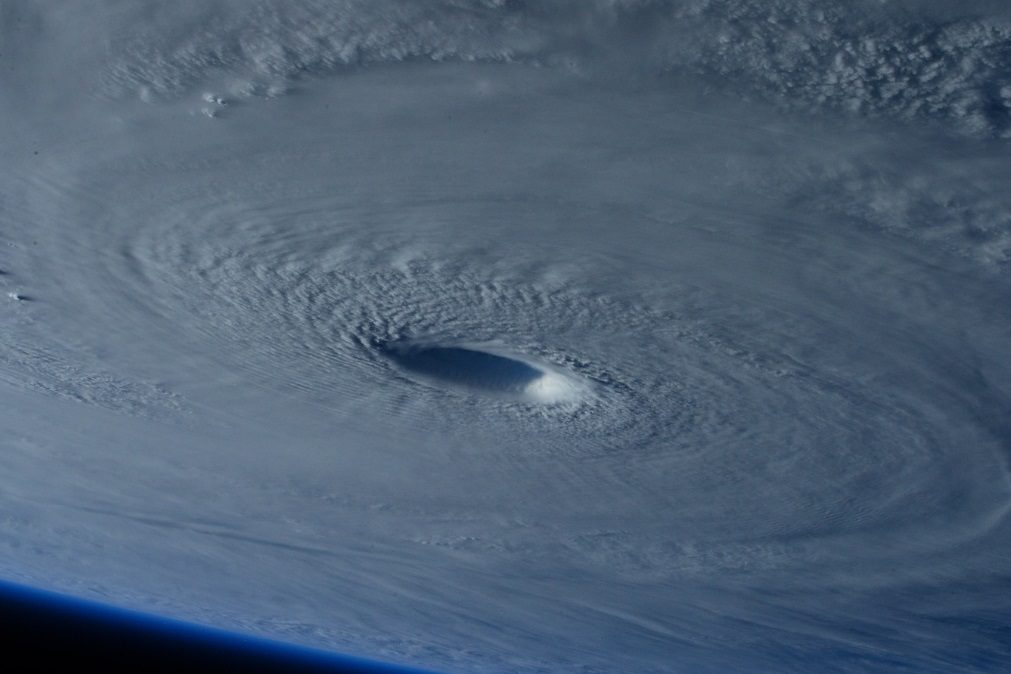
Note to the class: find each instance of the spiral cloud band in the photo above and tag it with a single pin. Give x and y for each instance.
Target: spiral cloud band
(504, 336)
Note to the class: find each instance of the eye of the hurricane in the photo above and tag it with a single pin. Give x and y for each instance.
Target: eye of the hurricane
(482, 371)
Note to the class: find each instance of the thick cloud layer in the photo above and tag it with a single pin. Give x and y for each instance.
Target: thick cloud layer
(905, 61)
(616, 336)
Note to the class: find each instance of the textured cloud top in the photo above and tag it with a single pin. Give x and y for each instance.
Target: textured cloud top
(899, 61)
(568, 336)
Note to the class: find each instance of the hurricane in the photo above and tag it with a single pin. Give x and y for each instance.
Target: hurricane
(502, 336)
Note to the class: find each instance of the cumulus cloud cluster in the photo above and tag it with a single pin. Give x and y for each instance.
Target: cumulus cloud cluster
(894, 60)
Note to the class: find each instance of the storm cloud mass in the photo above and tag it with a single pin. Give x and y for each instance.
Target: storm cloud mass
(503, 336)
